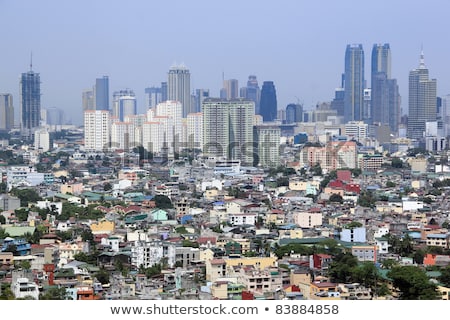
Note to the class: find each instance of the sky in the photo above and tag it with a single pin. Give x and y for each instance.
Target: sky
(297, 44)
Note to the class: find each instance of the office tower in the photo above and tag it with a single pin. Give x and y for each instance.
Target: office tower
(96, 130)
(153, 96)
(252, 92)
(422, 100)
(30, 100)
(101, 93)
(356, 130)
(230, 89)
(338, 102)
(294, 113)
(6, 112)
(164, 91)
(267, 145)
(268, 102)
(228, 129)
(354, 83)
(367, 106)
(385, 97)
(124, 104)
(200, 96)
(179, 87)
(444, 114)
(87, 100)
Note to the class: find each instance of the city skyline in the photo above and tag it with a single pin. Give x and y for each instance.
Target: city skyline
(301, 48)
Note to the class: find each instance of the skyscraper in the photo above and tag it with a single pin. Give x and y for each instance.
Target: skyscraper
(87, 100)
(230, 89)
(124, 104)
(294, 113)
(6, 111)
(385, 97)
(422, 100)
(252, 92)
(179, 87)
(153, 96)
(30, 100)
(101, 93)
(200, 96)
(354, 83)
(228, 129)
(268, 102)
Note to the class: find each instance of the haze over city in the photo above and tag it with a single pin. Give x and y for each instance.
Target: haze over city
(299, 45)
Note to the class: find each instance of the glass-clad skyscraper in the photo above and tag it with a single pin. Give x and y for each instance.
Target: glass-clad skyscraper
(422, 100)
(30, 100)
(354, 83)
(268, 102)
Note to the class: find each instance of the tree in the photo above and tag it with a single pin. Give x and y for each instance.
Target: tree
(413, 283)
(54, 293)
(163, 202)
(26, 196)
(102, 276)
(390, 184)
(342, 267)
(6, 292)
(336, 198)
(444, 278)
(396, 162)
(367, 274)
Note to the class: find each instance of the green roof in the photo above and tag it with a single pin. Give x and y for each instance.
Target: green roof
(15, 231)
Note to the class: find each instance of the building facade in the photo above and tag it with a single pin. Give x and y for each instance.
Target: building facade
(228, 129)
(354, 83)
(268, 102)
(422, 103)
(30, 100)
(179, 87)
(6, 111)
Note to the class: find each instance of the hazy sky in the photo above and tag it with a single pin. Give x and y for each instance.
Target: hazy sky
(299, 45)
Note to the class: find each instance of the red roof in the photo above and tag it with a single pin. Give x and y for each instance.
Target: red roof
(203, 240)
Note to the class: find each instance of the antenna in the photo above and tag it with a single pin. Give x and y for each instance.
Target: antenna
(31, 61)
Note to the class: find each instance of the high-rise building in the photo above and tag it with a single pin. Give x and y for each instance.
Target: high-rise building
(200, 96)
(162, 133)
(101, 93)
(87, 100)
(294, 113)
(179, 87)
(422, 100)
(338, 102)
(268, 102)
(230, 89)
(6, 112)
(96, 130)
(153, 96)
(354, 83)
(194, 131)
(385, 97)
(252, 92)
(124, 104)
(267, 145)
(30, 100)
(228, 129)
